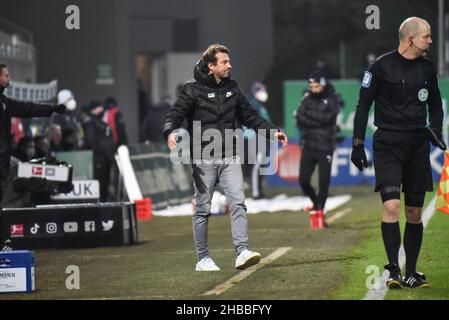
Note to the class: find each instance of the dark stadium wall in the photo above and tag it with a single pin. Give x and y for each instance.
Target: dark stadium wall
(244, 26)
(71, 56)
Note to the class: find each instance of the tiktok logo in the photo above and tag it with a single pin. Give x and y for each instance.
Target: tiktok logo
(34, 229)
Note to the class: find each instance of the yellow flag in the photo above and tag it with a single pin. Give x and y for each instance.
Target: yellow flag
(442, 202)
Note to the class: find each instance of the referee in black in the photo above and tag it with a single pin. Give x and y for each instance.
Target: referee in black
(402, 83)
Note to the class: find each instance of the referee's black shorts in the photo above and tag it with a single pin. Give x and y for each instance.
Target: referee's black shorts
(402, 158)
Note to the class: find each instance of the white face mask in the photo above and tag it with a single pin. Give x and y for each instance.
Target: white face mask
(71, 104)
(261, 95)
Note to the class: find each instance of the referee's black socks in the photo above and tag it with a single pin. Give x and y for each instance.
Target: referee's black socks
(391, 235)
(412, 245)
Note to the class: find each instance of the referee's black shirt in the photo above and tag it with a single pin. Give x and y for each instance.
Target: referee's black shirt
(401, 89)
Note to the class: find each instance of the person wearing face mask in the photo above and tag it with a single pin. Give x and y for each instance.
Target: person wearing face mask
(100, 140)
(69, 121)
(259, 97)
(316, 118)
(408, 113)
(13, 108)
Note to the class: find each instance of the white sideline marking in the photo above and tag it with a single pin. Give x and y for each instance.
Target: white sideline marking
(379, 294)
(338, 215)
(246, 273)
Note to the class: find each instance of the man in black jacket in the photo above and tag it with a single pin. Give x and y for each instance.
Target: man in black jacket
(214, 101)
(404, 86)
(13, 108)
(316, 118)
(100, 140)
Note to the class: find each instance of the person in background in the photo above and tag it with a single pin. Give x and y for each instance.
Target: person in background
(100, 140)
(54, 134)
(68, 140)
(259, 97)
(17, 129)
(69, 121)
(25, 149)
(114, 118)
(41, 147)
(316, 118)
(154, 121)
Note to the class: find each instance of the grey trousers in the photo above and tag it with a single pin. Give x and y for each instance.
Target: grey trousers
(230, 178)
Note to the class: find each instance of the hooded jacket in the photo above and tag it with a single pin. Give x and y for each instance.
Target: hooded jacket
(215, 106)
(316, 118)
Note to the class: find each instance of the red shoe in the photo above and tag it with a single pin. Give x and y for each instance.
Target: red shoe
(320, 217)
(313, 220)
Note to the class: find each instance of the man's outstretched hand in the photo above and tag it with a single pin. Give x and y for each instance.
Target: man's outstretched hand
(171, 140)
(282, 138)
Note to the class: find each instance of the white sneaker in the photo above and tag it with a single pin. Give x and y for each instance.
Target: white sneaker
(207, 264)
(247, 258)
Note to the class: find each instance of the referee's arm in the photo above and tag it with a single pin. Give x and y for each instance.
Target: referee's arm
(435, 105)
(368, 91)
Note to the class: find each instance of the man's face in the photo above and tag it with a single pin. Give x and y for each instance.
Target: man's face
(222, 69)
(423, 39)
(315, 87)
(4, 78)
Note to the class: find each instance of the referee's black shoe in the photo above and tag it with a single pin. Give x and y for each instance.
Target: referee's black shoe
(417, 280)
(394, 280)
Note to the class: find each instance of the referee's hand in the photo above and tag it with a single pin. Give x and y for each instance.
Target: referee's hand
(358, 157)
(436, 138)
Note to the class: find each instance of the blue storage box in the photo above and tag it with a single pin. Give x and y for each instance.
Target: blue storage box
(17, 271)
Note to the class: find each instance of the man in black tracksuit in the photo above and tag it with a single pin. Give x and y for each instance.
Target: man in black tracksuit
(316, 118)
(13, 108)
(214, 101)
(401, 83)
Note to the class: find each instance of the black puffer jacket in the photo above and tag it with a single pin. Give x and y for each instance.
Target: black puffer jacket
(99, 138)
(216, 106)
(316, 118)
(13, 108)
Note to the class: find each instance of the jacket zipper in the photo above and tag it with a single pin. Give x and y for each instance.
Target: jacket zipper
(403, 91)
(217, 93)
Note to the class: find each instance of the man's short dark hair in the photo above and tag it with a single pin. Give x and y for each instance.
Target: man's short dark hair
(210, 55)
(2, 66)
